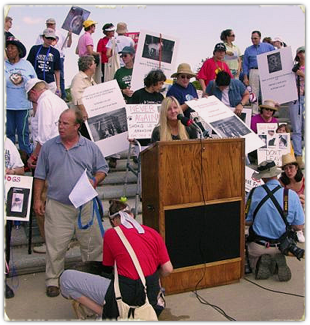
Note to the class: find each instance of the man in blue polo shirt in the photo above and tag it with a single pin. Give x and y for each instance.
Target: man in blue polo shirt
(61, 162)
(250, 67)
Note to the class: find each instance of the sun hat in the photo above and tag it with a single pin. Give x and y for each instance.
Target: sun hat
(108, 27)
(266, 169)
(184, 68)
(128, 50)
(88, 23)
(51, 21)
(278, 39)
(14, 41)
(31, 83)
(121, 28)
(268, 103)
(288, 159)
(49, 32)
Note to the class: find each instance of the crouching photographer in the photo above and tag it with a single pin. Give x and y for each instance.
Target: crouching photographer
(273, 214)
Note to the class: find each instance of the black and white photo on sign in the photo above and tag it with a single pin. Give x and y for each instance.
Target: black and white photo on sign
(154, 51)
(75, 19)
(107, 121)
(277, 144)
(141, 120)
(264, 138)
(224, 122)
(18, 190)
(276, 77)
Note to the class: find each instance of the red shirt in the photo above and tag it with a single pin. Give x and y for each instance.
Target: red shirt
(208, 70)
(101, 47)
(149, 247)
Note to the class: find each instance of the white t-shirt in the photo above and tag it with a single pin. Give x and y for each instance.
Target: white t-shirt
(225, 97)
(11, 155)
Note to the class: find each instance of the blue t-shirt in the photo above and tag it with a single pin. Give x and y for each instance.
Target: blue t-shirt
(45, 60)
(16, 76)
(183, 94)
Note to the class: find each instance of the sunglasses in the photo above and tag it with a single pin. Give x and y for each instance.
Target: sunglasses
(232, 35)
(185, 77)
(124, 55)
(50, 38)
(268, 109)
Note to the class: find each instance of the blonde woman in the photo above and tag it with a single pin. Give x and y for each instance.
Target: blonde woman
(169, 127)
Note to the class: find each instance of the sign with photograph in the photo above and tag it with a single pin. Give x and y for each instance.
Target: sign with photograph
(224, 122)
(141, 120)
(250, 182)
(107, 122)
(75, 19)
(154, 51)
(276, 77)
(276, 144)
(18, 191)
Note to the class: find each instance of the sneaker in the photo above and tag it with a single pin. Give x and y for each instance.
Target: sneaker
(40, 249)
(284, 272)
(263, 267)
(112, 162)
(300, 236)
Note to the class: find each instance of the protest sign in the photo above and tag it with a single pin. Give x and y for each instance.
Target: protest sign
(276, 77)
(154, 51)
(224, 122)
(18, 191)
(141, 120)
(75, 19)
(250, 182)
(107, 123)
(276, 144)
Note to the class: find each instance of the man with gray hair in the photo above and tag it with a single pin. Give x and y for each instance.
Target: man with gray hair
(82, 80)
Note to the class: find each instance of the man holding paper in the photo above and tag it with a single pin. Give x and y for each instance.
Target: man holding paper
(62, 161)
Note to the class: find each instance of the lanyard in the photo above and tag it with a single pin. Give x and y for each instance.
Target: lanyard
(45, 59)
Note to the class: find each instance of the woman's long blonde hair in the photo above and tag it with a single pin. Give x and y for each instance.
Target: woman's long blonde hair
(165, 130)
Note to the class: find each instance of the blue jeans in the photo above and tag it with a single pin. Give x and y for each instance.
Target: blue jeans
(297, 117)
(18, 121)
(62, 79)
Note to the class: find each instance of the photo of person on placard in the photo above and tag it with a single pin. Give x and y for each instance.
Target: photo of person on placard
(274, 62)
(74, 20)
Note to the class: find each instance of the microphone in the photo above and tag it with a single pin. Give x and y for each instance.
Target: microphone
(195, 116)
(190, 123)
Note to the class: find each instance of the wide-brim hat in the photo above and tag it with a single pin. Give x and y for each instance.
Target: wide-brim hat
(88, 23)
(268, 103)
(12, 40)
(31, 83)
(266, 169)
(288, 159)
(184, 68)
(121, 28)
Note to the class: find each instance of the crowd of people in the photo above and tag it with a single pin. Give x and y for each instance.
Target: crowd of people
(61, 150)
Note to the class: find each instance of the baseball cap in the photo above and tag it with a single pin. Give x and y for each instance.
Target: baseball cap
(128, 49)
(49, 32)
(220, 47)
(31, 83)
(88, 23)
(51, 21)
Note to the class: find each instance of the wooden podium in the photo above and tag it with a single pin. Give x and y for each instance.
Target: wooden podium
(193, 195)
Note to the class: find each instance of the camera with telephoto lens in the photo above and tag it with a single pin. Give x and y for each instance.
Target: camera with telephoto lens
(289, 245)
(296, 67)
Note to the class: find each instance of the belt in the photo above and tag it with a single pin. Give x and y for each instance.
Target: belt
(253, 68)
(267, 244)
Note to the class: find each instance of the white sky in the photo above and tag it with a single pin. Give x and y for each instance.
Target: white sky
(198, 27)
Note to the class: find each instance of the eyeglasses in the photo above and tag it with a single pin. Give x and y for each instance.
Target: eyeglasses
(65, 124)
(185, 77)
(232, 35)
(50, 38)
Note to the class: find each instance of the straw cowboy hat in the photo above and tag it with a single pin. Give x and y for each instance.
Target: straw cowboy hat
(288, 159)
(184, 68)
(266, 169)
(268, 103)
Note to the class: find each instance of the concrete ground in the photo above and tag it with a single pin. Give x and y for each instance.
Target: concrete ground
(242, 301)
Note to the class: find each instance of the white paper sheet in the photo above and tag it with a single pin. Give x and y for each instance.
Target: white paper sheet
(82, 192)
